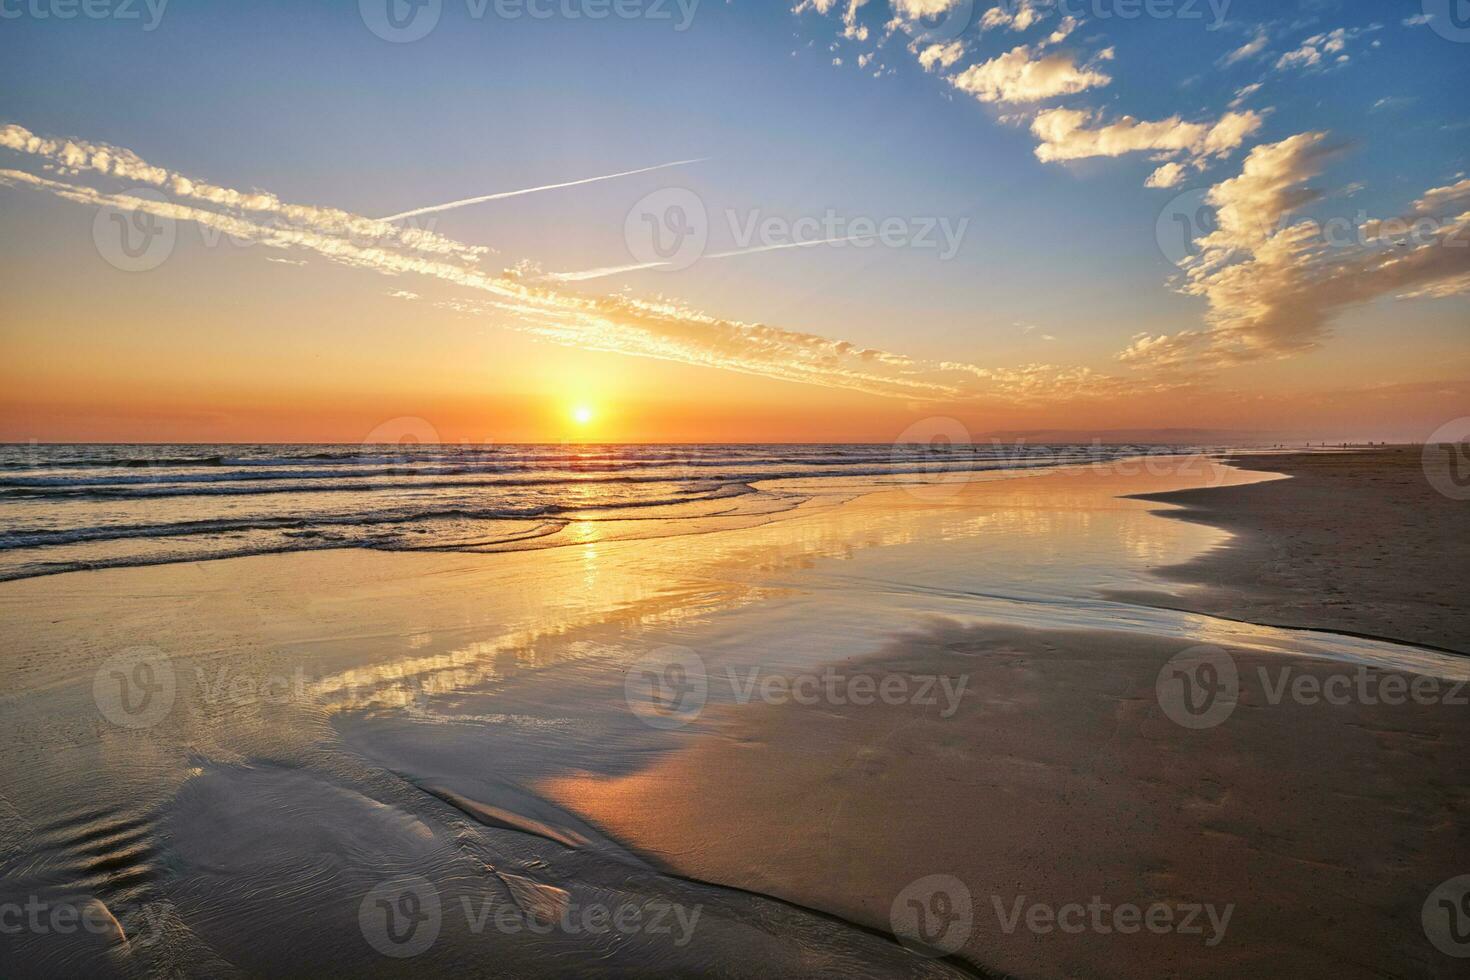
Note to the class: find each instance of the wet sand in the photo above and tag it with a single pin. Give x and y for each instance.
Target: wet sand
(1323, 827)
(1354, 542)
(336, 722)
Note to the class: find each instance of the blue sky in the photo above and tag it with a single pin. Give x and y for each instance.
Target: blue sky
(305, 101)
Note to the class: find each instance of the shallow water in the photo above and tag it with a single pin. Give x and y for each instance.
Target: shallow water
(69, 507)
(326, 724)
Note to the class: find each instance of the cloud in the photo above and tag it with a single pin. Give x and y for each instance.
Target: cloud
(1390, 103)
(1330, 46)
(1020, 17)
(71, 157)
(1249, 49)
(1066, 134)
(1063, 30)
(943, 55)
(1418, 20)
(501, 195)
(1024, 75)
(1243, 93)
(1273, 286)
(1248, 208)
(1436, 199)
(661, 329)
(1169, 175)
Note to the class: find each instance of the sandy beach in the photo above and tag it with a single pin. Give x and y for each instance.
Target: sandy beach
(925, 731)
(574, 489)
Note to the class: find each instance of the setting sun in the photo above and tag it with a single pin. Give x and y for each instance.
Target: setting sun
(582, 414)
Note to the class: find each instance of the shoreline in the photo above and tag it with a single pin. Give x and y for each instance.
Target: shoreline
(1355, 542)
(453, 713)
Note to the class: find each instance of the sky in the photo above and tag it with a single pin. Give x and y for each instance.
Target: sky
(694, 220)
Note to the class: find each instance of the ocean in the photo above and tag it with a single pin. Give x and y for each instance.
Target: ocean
(71, 507)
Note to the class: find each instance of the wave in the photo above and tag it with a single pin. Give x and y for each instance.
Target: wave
(66, 508)
(348, 480)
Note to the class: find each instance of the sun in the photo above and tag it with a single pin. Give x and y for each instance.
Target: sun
(582, 414)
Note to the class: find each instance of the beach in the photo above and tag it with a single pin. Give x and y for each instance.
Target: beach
(929, 728)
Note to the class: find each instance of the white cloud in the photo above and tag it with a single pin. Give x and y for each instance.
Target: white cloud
(943, 55)
(1331, 46)
(1243, 93)
(1019, 17)
(662, 329)
(1020, 75)
(1063, 30)
(1389, 103)
(1418, 20)
(1249, 49)
(1439, 198)
(1169, 175)
(1065, 134)
(1273, 286)
(71, 157)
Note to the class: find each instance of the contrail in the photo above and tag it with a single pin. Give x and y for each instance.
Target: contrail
(613, 270)
(534, 190)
